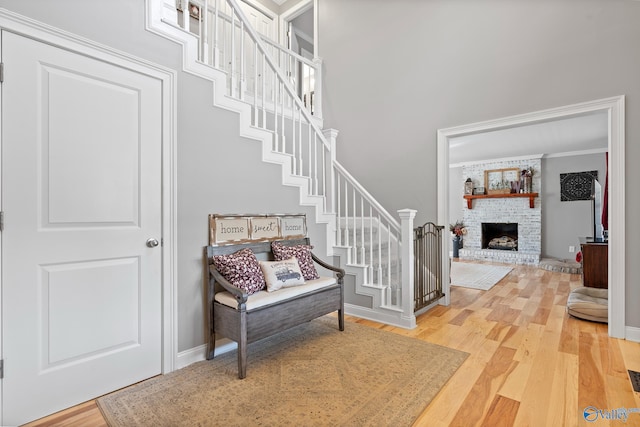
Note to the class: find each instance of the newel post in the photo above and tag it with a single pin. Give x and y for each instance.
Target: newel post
(407, 264)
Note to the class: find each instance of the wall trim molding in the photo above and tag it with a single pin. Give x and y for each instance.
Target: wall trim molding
(292, 13)
(534, 156)
(576, 153)
(199, 353)
(615, 108)
(191, 356)
(633, 334)
(376, 316)
(497, 160)
(262, 9)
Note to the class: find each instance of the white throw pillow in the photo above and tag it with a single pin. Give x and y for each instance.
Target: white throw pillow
(281, 274)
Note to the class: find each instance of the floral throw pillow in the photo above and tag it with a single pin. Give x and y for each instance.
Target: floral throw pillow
(302, 254)
(241, 269)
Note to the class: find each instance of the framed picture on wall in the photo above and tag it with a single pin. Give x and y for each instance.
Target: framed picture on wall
(577, 185)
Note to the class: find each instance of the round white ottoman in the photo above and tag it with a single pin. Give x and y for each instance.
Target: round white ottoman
(589, 304)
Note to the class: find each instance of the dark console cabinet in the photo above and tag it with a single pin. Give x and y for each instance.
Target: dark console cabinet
(595, 263)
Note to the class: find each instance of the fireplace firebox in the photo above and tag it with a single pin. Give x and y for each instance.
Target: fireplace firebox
(500, 236)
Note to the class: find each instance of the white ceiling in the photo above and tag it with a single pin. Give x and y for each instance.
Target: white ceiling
(569, 136)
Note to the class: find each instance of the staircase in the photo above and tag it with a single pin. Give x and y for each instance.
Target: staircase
(260, 81)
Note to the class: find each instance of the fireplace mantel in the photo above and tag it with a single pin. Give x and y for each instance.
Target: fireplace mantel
(470, 198)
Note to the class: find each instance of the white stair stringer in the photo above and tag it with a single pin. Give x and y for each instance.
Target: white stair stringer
(190, 63)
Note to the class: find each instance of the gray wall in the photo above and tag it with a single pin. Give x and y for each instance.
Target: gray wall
(564, 222)
(218, 172)
(428, 65)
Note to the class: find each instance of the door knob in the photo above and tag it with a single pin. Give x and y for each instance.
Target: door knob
(152, 243)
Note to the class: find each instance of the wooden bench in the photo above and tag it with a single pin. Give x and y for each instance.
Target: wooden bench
(248, 318)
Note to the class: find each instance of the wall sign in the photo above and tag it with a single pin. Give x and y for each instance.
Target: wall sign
(234, 229)
(293, 226)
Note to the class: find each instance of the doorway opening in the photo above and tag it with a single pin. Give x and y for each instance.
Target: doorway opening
(614, 108)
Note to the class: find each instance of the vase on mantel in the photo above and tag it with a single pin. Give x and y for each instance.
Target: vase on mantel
(526, 184)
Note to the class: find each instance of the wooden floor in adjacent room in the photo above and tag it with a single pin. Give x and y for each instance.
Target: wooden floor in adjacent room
(529, 363)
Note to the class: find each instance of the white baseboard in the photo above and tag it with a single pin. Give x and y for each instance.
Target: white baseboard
(199, 353)
(632, 334)
(429, 307)
(193, 355)
(395, 319)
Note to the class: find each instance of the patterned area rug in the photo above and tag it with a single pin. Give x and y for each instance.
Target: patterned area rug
(477, 276)
(311, 375)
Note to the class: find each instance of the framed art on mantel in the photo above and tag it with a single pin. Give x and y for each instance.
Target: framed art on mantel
(498, 181)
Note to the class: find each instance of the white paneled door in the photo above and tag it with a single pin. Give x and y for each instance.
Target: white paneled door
(81, 196)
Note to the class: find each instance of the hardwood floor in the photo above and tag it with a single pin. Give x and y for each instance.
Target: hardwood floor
(84, 415)
(529, 363)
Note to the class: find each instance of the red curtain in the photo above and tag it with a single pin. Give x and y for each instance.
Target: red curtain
(605, 197)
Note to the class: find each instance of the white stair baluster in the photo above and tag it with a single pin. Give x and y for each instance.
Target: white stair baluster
(337, 210)
(379, 251)
(264, 91)
(234, 77)
(284, 97)
(371, 243)
(300, 141)
(256, 117)
(243, 65)
(204, 16)
(362, 247)
(355, 228)
(216, 47)
(346, 213)
(294, 168)
(389, 257)
(315, 160)
(276, 142)
(322, 174)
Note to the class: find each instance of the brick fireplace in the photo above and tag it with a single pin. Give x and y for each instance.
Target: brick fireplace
(511, 220)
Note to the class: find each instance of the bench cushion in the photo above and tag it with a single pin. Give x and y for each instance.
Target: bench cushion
(589, 304)
(263, 298)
